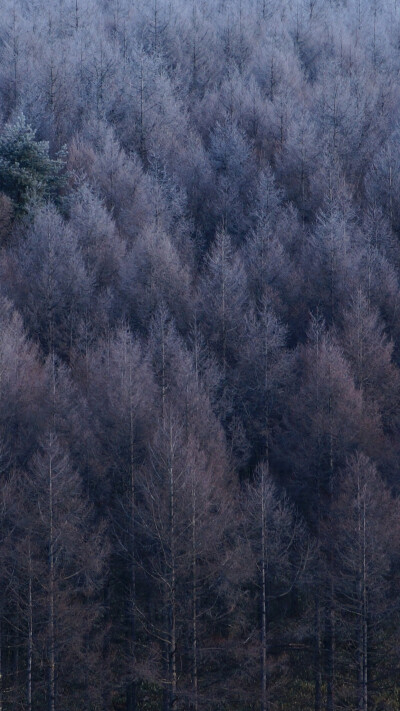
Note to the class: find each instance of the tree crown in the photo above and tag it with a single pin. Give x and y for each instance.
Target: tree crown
(27, 172)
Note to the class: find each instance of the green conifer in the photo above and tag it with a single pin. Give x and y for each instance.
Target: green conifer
(26, 170)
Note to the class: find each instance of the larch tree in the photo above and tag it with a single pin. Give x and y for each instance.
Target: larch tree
(120, 424)
(54, 303)
(370, 354)
(222, 297)
(67, 559)
(261, 373)
(324, 424)
(280, 553)
(364, 527)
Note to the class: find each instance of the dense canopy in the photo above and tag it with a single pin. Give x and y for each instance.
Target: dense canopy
(199, 355)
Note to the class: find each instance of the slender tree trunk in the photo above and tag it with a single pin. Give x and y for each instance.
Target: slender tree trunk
(131, 692)
(330, 612)
(173, 672)
(163, 375)
(390, 186)
(194, 62)
(166, 691)
(141, 127)
(317, 612)
(166, 702)
(15, 55)
(330, 648)
(223, 311)
(52, 663)
(30, 635)
(265, 702)
(155, 26)
(363, 633)
(360, 654)
(317, 652)
(194, 598)
(17, 673)
(365, 656)
(264, 671)
(1, 657)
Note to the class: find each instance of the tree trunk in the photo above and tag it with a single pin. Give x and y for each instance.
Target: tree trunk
(131, 691)
(51, 641)
(194, 597)
(155, 26)
(264, 671)
(223, 312)
(141, 126)
(1, 659)
(330, 616)
(330, 648)
(173, 673)
(363, 633)
(317, 652)
(30, 636)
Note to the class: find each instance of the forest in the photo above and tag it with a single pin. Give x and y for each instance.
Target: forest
(200, 355)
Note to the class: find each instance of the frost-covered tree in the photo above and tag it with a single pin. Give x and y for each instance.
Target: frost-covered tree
(27, 172)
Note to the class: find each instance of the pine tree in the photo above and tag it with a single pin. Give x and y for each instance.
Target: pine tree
(26, 170)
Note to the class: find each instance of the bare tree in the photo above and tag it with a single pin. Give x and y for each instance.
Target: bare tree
(365, 531)
(67, 554)
(280, 554)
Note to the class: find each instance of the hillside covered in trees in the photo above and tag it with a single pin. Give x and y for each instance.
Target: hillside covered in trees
(199, 355)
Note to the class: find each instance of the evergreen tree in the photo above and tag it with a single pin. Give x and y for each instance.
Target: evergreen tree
(26, 170)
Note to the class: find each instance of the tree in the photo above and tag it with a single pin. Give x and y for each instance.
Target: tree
(279, 552)
(222, 297)
(323, 424)
(120, 393)
(234, 178)
(26, 170)
(261, 374)
(61, 554)
(5, 217)
(98, 241)
(370, 354)
(58, 298)
(9, 512)
(23, 392)
(334, 258)
(273, 260)
(153, 275)
(364, 526)
(297, 161)
(187, 493)
(183, 520)
(382, 180)
(97, 156)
